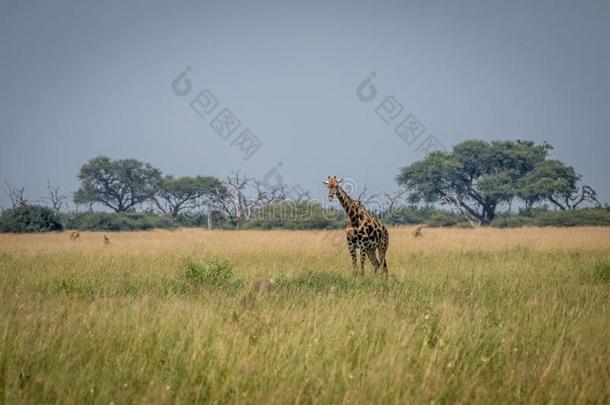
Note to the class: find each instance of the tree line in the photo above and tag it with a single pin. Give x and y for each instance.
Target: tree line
(474, 180)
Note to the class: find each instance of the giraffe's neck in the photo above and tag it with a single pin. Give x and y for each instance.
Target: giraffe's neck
(348, 205)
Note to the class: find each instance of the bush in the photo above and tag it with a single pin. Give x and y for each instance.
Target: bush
(284, 215)
(410, 215)
(110, 221)
(442, 218)
(297, 215)
(216, 274)
(432, 217)
(601, 271)
(582, 217)
(200, 220)
(512, 221)
(30, 218)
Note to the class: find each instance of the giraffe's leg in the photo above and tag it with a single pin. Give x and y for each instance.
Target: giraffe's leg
(373, 259)
(382, 260)
(351, 245)
(362, 257)
(383, 248)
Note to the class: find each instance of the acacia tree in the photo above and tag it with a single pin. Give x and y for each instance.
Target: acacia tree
(558, 183)
(477, 175)
(176, 195)
(119, 184)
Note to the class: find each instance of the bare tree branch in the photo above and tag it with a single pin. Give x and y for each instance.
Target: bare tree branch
(243, 195)
(587, 195)
(364, 199)
(393, 199)
(16, 195)
(463, 209)
(55, 198)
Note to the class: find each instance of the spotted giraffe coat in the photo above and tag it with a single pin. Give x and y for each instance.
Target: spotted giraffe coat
(365, 233)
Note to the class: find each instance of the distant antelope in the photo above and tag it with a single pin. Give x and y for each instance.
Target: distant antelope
(74, 235)
(417, 232)
(106, 240)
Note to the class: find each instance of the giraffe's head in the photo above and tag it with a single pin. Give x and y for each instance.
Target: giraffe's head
(332, 183)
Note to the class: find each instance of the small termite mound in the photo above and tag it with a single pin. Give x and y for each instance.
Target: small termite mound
(258, 288)
(261, 285)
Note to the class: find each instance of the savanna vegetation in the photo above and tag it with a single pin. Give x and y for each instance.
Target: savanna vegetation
(466, 315)
(499, 183)
(470, 313)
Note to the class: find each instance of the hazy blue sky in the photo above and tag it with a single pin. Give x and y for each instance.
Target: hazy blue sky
(80, 79)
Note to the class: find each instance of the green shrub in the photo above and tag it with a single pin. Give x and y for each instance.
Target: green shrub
(214, 274)
(30, 218)
(110, 221)
(512, 221)
(297, 215)
(432, 217)
(291, 215)
(582, 217)
(441, 218)
(601, 271)
(200, 220)
(409, 215)
(542, 217)
(72, 286)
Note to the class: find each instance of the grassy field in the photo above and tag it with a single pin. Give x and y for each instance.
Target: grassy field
(480, 315)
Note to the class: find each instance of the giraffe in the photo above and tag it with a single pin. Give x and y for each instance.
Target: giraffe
(364, 231)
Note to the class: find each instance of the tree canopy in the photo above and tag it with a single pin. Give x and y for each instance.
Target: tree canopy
(119, 184)
(477, 176)
(177, 194)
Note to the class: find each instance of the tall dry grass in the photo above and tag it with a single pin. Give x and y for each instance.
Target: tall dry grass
(481, 315)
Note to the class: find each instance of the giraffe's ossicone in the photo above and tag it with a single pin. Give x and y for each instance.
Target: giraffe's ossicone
(365, 233)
